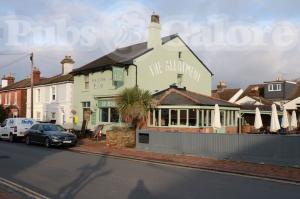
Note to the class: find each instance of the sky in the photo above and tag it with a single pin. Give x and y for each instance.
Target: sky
(241, 42)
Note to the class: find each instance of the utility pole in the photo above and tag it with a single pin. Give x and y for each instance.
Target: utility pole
(31, 85)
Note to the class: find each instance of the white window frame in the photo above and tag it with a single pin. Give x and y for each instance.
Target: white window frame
(86, 79)
(51, 94)
(38, 95)
(274, 87)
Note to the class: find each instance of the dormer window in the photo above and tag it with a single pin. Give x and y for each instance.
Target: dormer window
(274, 87)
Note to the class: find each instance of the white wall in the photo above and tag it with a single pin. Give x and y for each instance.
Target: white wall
(62, 106)
(292, 105)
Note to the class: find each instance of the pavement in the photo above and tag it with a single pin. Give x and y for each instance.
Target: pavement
(259, 170)
(59, 173)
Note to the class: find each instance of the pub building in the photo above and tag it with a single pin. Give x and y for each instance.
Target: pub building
(152, 65)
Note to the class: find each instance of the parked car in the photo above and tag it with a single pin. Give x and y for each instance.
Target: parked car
(15, 128)
(49, 134)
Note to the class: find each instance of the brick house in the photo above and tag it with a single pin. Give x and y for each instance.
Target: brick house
(13, 95)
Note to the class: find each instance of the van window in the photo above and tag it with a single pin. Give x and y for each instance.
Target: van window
(4, 123)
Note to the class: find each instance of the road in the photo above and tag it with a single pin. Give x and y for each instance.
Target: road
(58, 173)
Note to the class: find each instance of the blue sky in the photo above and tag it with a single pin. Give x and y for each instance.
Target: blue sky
(207, 26)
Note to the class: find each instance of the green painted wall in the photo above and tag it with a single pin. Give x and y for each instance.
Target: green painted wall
(157, 70)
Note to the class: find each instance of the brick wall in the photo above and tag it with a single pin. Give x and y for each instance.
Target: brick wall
(18, 106)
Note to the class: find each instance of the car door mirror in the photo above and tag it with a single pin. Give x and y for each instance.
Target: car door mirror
(41, 131)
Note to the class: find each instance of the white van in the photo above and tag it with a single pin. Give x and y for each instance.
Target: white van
(13, 128)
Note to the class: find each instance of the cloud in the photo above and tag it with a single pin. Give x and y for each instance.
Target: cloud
(234, 38)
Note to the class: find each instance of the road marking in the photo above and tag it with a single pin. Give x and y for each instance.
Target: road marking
(192, 168)
(21, 189)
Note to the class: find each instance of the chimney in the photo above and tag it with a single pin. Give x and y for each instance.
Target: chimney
(221, 86)
(154, 38)
(36, 75)
(67, 65)
(254, 92)
(7, 80)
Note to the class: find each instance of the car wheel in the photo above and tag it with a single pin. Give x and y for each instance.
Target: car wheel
(11, 138)
(47, 143)
(27, 140)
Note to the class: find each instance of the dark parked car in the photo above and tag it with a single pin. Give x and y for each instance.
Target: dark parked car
(49, 135)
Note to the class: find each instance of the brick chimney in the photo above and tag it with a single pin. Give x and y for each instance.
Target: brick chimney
(154, 38)
(255, 91)
(7, 80)
(67, 65)
(221, 86)
(36, 75)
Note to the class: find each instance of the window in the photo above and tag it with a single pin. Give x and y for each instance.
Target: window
(53, 115)
(114, 115)
(174, 117)
(183, 117)
(179, 79)
(109, 115)
(179, 54)
(274, 87)
(53, 93)
(38, 115)
(35, 127)
(38, 95)
(192, 117)
(16, 98)
(9, 97)
(104, 114)
(6, 98)
(86, 104)
(164, 117)
(86, 82)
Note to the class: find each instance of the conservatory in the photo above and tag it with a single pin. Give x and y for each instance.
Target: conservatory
(182, 110)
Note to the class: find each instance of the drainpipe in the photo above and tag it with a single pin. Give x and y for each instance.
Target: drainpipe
(136, 84)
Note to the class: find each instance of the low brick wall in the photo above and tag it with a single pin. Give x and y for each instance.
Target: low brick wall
(121, 137)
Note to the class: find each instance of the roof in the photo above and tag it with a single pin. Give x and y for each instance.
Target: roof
(261, 107)
(25, 83)
(179, 96)
(225, 94)
(295, 93)
(17, 85)
(124, 56)
(55, 79)
(251, 90)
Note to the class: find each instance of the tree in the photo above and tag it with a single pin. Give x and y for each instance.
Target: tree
(3, 113)
(134, 104)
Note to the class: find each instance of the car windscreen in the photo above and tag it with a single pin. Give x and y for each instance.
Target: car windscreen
(50, 127)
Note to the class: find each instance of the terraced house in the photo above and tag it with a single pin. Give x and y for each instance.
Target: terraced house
(52, 97)
(13, 95)
(153, 65)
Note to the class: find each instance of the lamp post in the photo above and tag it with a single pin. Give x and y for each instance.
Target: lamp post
(31, 85)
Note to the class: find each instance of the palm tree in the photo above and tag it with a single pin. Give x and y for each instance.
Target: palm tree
(134, 104)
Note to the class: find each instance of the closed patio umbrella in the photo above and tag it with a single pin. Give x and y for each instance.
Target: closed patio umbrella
(285, 120)
(216, 124)
(258, 122)
(294, 120)
(275, 126)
